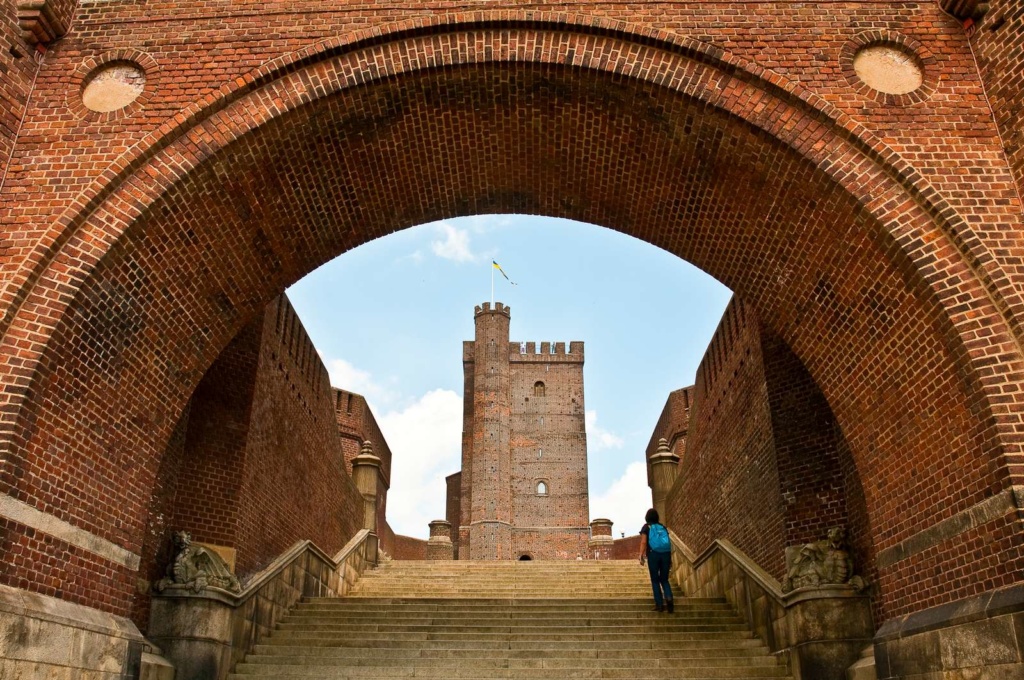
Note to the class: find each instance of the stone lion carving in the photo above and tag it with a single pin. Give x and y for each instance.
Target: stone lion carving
(197, 567)
(822, 564)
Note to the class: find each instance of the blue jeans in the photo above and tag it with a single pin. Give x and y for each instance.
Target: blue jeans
(659, 564)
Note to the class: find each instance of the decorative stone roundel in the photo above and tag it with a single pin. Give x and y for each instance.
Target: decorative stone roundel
(113, 86)
(888, 68)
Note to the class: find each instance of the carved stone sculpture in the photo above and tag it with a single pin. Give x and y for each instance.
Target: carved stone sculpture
(823, 564)
(196, 567)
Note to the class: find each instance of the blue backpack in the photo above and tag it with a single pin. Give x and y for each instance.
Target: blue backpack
(657, 538)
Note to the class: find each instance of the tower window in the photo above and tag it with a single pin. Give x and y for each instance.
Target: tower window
(538, 389)
(542, 488)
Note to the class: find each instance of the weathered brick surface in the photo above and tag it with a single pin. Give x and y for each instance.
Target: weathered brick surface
(763, 464)
(997, 45)
(256, 463)
(528, 450)
(880, 241)
(357, 424)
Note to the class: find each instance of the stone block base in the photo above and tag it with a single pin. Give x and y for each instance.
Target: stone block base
(45, 638)
(981, 638)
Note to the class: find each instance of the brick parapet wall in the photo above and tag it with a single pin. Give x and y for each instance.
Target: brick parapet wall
(728, 483)
(356, 424)
(256, 464)
(767, 466)
(294, 482)
(627, 548)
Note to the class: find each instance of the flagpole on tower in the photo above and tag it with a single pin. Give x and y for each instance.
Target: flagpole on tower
(492, 287)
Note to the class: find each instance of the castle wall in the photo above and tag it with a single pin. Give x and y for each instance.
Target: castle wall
(728, 483)
(295, 486)
(357, 424)
(764, 463)
(549, 446)
(255, 464)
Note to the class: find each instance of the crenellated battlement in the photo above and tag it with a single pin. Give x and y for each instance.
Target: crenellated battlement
(499, 308)
(546, 352)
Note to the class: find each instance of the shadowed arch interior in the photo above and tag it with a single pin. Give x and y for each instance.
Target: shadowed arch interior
(526, 138)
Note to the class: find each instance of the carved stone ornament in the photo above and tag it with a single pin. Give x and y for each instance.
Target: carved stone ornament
(823, 564)
(197, 568)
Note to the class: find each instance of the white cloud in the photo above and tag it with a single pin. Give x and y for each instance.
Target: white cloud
(426, 446)
(624, 502)
(453, 244)
(599, 438)
(347, 377)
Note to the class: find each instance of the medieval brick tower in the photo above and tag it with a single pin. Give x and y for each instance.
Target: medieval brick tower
(523, 488)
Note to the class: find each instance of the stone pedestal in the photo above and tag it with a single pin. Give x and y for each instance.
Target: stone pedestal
(365, 471)
(601, 541)
(663, 466)
(439, 547)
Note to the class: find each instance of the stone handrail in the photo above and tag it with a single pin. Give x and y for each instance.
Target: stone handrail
(233, 623)
(768, 582)
(821, 631)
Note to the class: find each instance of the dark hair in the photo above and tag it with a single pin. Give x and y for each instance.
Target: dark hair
(651, 517)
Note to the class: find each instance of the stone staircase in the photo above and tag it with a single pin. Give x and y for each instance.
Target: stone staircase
(537, 620)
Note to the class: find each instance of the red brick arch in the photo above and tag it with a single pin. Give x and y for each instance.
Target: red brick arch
(879, 286)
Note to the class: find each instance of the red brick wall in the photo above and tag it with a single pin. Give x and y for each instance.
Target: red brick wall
(294, 483)
(357, 424)
(549, 445)
(255, 464)
(874, 237)
(626, 548)
(157, 545)
(807, 446)
(453, 507)
(997, 46)
(209, 485)
(409, 548)
(17, 68)
(765, 464)
(728, 484)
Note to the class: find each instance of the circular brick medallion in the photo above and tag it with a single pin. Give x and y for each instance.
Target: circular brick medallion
(888, 68)
(113, 86)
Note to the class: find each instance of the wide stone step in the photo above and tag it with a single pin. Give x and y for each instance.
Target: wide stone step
(693, 641)
(723, 651)
(475, 618)
(477, 657)
(509, 620)
(487, 672)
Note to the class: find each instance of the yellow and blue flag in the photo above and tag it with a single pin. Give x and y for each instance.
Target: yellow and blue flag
(498, 267)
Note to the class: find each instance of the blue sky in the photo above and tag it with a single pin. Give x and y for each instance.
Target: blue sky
(389, 319)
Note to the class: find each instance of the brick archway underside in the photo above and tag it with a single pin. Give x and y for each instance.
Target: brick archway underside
(765, 193)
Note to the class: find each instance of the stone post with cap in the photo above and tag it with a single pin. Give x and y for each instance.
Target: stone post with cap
(663, 466)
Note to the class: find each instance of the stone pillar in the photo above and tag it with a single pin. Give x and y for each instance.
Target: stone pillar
(664, 465)
(601, 540)
(439, 547)
(365, 473)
